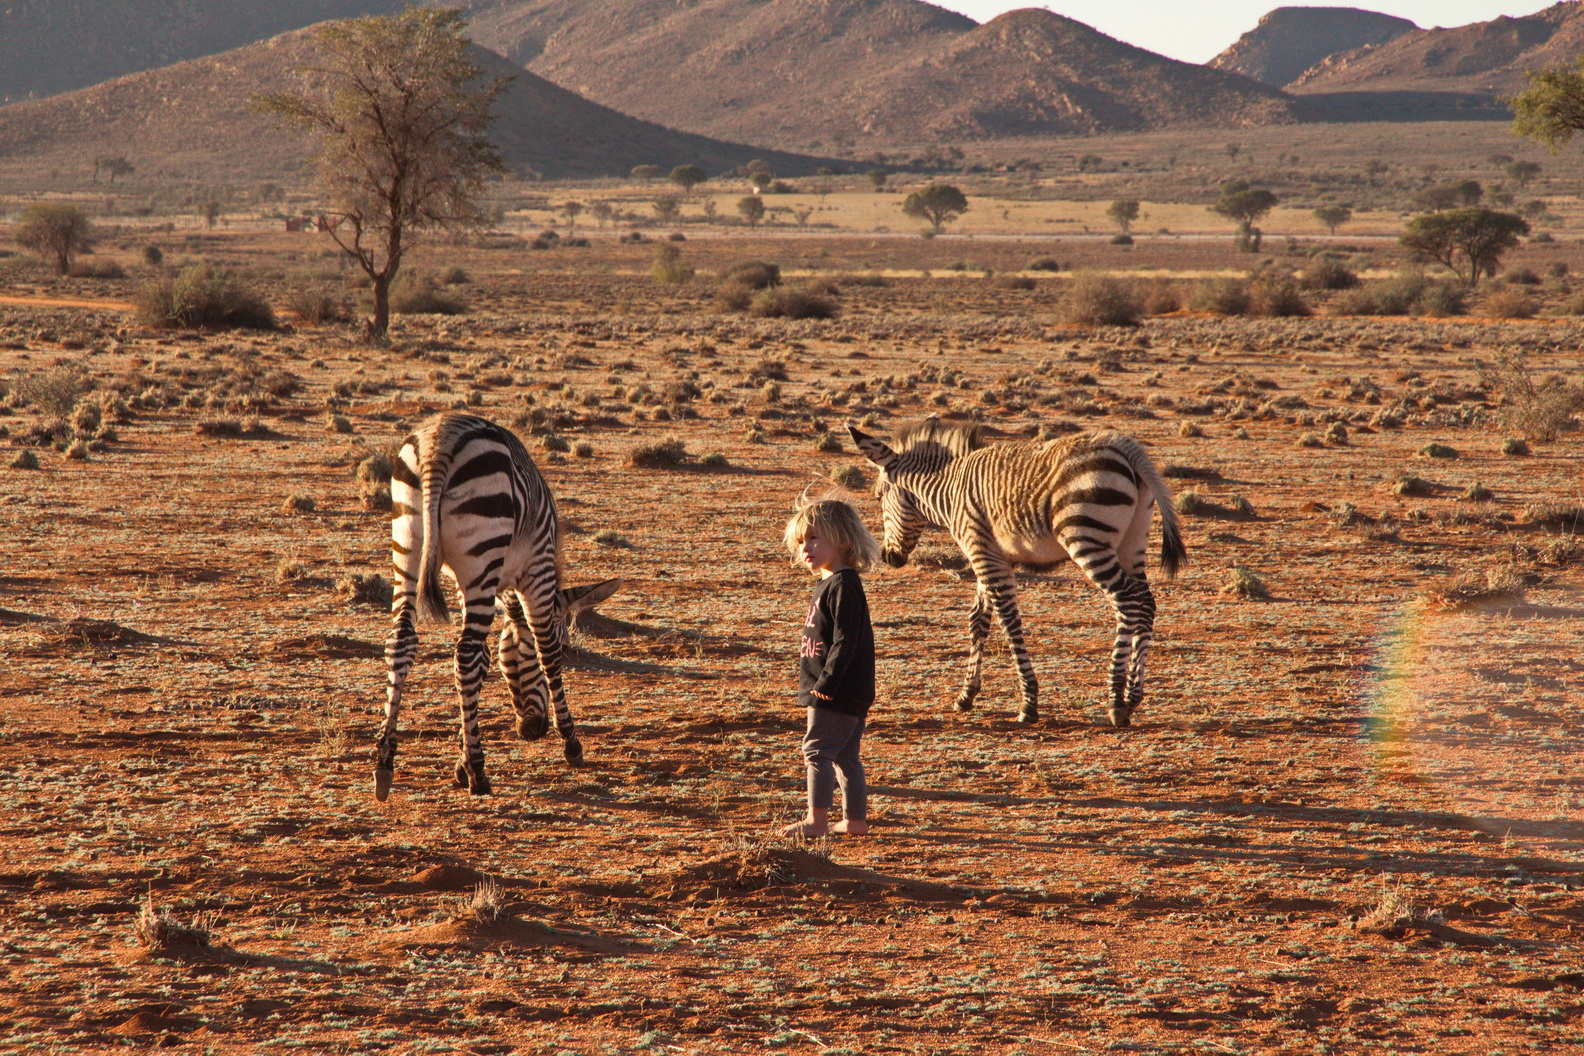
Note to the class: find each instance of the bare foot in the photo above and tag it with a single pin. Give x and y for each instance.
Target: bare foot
(853, 827)
(807, 829)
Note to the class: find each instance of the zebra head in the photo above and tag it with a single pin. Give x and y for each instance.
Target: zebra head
(899, 505)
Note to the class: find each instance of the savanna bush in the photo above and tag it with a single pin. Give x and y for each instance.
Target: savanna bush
(201, 295)
(668, 265)
(755, 274)
(425, 296)
(806, 301)
(1223, 296)
(1101, 300)
(1510, 303)
(1323, 273)
(1406, 293)
(317, 305)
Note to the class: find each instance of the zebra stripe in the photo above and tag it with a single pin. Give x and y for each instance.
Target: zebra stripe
(466, 497)
(1088, 496)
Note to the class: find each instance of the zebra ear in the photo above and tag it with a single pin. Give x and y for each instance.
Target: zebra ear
(576, 599)
(872, 449)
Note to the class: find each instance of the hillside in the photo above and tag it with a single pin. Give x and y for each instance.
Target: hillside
(1289, 40)
(53, 46)
(197, 113)
(1484, 59)
(801, 72)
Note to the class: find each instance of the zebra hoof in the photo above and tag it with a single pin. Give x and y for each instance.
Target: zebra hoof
(533, 727)
(1121, 718)
(480, 786)
(1028, 716)
(573, 751)
(462, 776)
(382, 784)
(965, 703)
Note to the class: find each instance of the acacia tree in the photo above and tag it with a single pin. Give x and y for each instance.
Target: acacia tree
(752, 209)
(1469, 241)
(55, 229)
(1245, 205)
(939, 203)
(114, 164)
(401, 123)
(1551, 109)
(1122, 213)
(1333, 216)
(688, 177)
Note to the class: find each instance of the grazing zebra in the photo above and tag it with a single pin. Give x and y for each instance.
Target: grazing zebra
(466, 496)
(1088, 496)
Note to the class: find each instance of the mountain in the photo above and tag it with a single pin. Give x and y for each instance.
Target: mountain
(801, 72)
(53, 46)
(1485, 60)
(1289, 40)
(193, 121)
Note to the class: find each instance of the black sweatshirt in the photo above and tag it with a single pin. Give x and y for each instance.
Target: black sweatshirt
(838, 656)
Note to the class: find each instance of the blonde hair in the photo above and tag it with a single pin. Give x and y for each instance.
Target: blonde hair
(838, 522)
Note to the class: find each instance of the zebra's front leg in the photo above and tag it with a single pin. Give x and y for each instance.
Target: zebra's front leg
(1003, 594)
(401, 649)
(1135, 605)
(978, 631)
(519, 664)
(472, 665)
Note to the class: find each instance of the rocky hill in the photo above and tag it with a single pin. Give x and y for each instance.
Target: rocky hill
(193, 121)
(801, 72)
(1289, 40)
(1485, 59)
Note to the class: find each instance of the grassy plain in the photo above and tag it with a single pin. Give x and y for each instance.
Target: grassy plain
(1347, 819)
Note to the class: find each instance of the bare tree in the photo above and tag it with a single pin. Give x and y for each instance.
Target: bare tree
(55, 229)
(401, 125)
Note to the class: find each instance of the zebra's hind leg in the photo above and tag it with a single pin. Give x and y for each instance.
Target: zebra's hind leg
(978, 631)
(1001, 586)
(401, 648)
(1135, 608)
(519, 663)
(472, 664)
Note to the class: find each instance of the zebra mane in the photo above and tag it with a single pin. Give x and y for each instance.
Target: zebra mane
(957, 439)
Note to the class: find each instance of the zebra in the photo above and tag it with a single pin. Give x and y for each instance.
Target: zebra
(466, 496)
(1088, 496)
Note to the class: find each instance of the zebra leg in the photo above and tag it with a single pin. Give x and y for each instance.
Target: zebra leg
(544, 612)
(472, 665)
(978, 631)
(519, 663)
(1003, 594)
(1135, 608)
(401, 649)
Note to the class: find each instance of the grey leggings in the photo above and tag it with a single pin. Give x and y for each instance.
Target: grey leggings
(831, 748)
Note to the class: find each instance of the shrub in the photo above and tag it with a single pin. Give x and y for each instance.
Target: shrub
(1161, 297)
(202, 296)
(1515, 446)
(558, 444)
(25, 459)
(370, 588)
(715, 460)
(1044, 264)
(610, 537)
(298, 503)
(827, 442)
(153, 256)
(1101, 300)
(1326, 274)
(1407, 293)
(754, 274)
(338, 423)
(1275, 295)
(53, 390)
(665, 454)
(668, 266)
(1434, 450)
(850, 477)
(584, 449)
(1015, 282)
(426, 297)
(1519, 275)
(872, 279)
(1539, 409)
(454, 276)
(1243, 583)
(809, 301)
(1510, 303)
(316, 305)
(734, 297)
(1221, 296)
(1121, 240)
(99, 269)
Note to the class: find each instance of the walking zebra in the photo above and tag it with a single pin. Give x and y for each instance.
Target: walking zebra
(1088, 496)
(466, 496)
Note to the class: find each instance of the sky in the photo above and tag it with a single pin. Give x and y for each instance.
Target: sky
(1197, 31)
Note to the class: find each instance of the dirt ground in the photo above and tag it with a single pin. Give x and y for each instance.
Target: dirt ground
(1347, 819)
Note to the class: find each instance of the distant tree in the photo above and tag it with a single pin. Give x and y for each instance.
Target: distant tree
(824, 170)
(1470, 241)
(760, 180)
(1523, 172)
(1534, 209)
(752, 209)
(1245, 205)
(210, 211)
(1375, 168)
(646, 172)
(1123, 212)
(709, 209)
(820, 189)
(401, 115)
(1333, 216)
(55, 229)
(688, 177)
(1232, 150)
(939, 203)
(758, 165)
(667, 208)
(802, 216)
(570, 209)
(602, 213)
(878, 177)
(114, 164)
(1090, 163)
(1551, 109)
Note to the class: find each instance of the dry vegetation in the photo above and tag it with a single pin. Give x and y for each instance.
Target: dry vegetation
(1348, 818)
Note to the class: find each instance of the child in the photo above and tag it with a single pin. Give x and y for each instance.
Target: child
(837, 672)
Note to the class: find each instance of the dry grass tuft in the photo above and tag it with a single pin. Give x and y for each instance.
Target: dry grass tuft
(1242, 582)
(484, 905)
(1395, 913)
(158, 929)
(369, 588)
(664, 454)
(1562, 516)
(1497, 586)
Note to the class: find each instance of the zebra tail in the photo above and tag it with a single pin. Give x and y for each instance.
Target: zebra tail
(432, 603)
(1173, 554)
